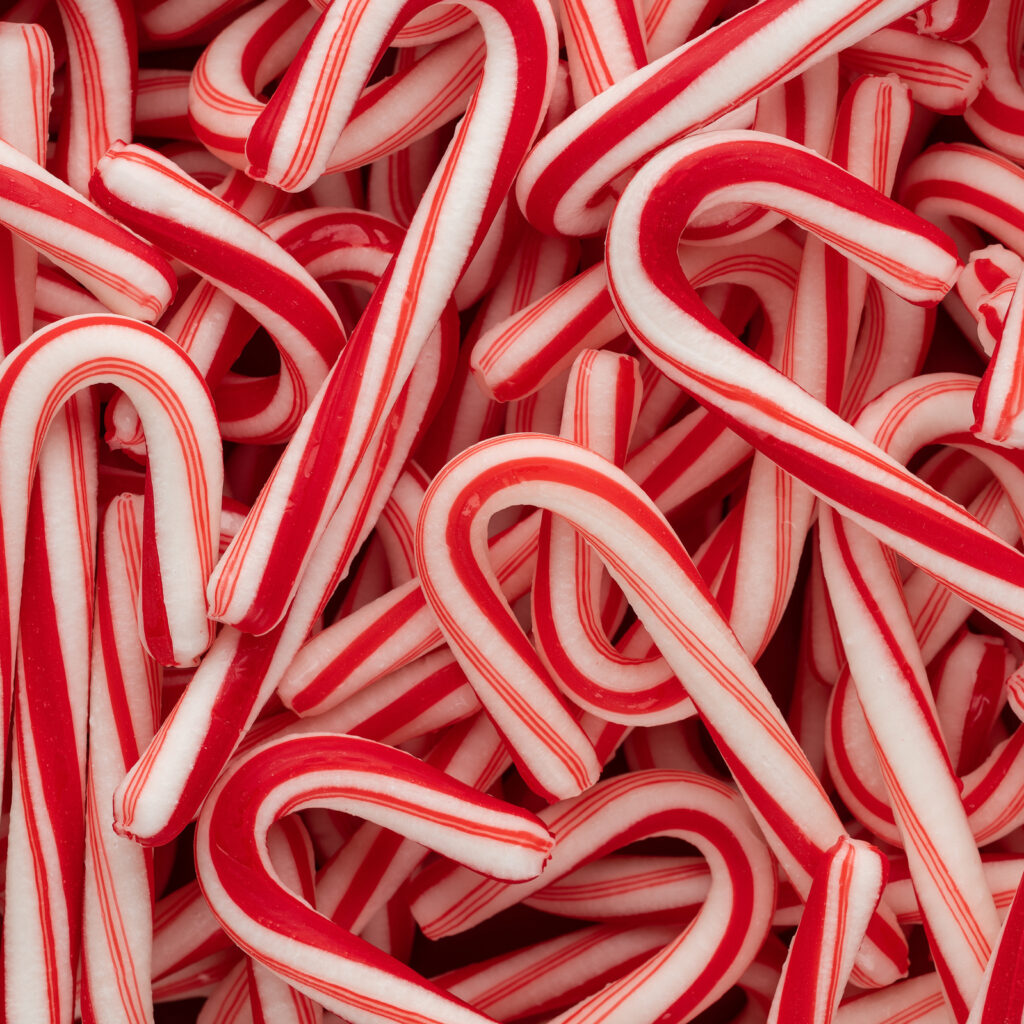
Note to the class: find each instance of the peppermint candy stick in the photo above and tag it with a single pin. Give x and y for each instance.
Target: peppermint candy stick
(893, 689)
(707, 957)
(549, 976)
(1002, 992)
(562, 187)
(124, 273)
(162, 793)
(46, 842)
(26, 57)
(253, 592)
(941, 76)
(100, 99)
(149, 194)
(658, 578)
(839, 906)
(916, 1001)
(123, 711)
(997, 115)
(290, 853)
(799, 434)
(36, 380)
(365, 778)
(161, 104)
(604, 42)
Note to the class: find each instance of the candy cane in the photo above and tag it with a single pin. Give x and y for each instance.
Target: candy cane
(604, 42)
(367, 779)
(941, 849)
(941, 75)
(815, 445)
(149, 194)
(161, 104)
(686, 976)
(562, 185)
(995, 116)
(123, 272)
(100, 99)
(38, 378)
(26, 56)
(242, 588)
(659, 580)
(163, 791)
(1002, 992)
(839, 906)
(123, 711)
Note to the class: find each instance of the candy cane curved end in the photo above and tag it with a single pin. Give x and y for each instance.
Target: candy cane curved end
(185, 467)
(382, 784)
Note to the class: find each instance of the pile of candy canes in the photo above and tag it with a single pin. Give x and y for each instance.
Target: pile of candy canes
(512, 514)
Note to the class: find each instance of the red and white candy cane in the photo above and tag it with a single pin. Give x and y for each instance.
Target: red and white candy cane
(562, 187)
(256, 577)
(26, 78)
(124, 705)
(801, 435)
(1001, 997)
(162, 793)
(941, 75)
(149, 194)
(100, 84)
(706, 957)
(670, 599)
(842, 898)
(604, 42)
(123, 272)
(283, 932)
(184, 478)
(889, 673)
(997, 115)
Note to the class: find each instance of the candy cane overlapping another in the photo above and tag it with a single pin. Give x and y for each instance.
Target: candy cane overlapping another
(184, 478)
(780, 419)
(282, 931)
(1001, 997)
(124, 708)
(604, 42)
(941, 75)
(46, 841)
(100, 101)
(839, 906)
(886, 666)
(997, 115)
(162, 793)
(124, 273)
(563, 185)
(26, 78)
(256, 578)
(148, 193)
(706, 957)
(646, 559)
(425, 92)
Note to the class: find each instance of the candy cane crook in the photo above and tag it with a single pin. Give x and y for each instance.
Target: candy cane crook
(392, 788)
(256, 578)
(646, 559)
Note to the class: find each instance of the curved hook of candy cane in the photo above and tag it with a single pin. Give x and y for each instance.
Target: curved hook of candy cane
(184, 477)
(706, 957)
(564, 187)
(282, 931)
(801, 435)
(291, 141)
(99, 102)
(149, 194)
(123, 272)
(256, 579)
(644, 556)
(843, 896)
